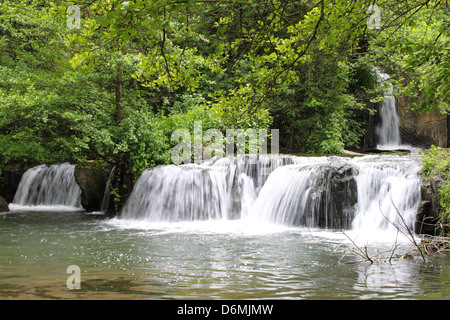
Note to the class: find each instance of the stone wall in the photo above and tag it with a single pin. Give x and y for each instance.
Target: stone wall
(421, 129)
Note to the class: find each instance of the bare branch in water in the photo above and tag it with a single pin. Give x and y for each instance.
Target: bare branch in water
(405, 225)
(364, 254)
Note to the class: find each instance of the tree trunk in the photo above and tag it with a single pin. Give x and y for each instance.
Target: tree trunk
(121, 179)
(119, 84)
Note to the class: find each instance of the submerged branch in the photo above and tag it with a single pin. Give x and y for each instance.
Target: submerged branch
(411, 235)
(395, 247)
(364, 254)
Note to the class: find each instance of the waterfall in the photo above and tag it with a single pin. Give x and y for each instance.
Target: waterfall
(370, 192)
(106, 194)
(387, 187)
(388, 129)
(313, 195)
(223, 188)
(247, 174)
(178, 193)
(44, 185)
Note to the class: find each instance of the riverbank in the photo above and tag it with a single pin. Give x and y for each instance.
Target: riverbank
(436, 179)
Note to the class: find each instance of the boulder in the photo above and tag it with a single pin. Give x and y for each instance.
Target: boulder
(340, 198)
(426, 220)
(331, 202)
(427, 217)
(3, 205)
(91, 177)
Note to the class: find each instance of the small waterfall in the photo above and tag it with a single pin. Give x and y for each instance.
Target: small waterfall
(312, 195)
(388, 129)
(246, 175)
(53, 185)
(327, 192)
(387, 187)
(223, 188)
(106, 194)
(178, 193)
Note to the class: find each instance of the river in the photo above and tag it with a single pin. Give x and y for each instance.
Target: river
(202, 260)
(278, 228)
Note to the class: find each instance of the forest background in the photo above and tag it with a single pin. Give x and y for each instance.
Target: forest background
(112, 80)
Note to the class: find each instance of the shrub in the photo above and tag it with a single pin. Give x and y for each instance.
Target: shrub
(436, 164)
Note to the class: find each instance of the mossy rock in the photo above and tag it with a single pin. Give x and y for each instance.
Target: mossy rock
(91, 177)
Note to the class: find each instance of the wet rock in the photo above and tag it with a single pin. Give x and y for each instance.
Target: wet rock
(331, 202)
(3, 205)
(426, 220)
(427, 217)
(91, 178)
(340, 198)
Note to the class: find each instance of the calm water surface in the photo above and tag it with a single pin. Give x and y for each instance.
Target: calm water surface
(202, 260)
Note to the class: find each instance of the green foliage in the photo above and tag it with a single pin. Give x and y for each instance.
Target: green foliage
(413, 48)
(116, 88)
(436, 164)
(29, 105)
(321, 113)
(142, 140)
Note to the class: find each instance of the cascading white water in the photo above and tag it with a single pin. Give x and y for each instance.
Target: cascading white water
(388, 193)
(388, 129)
(44, 185)
(314, 195)
(178, 193)
(222, 188)
(331, 192)
(290, 192)
(247, 174)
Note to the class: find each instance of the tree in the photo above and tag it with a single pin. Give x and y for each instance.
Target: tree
(36, 109)
(412, 46)
(115, 86)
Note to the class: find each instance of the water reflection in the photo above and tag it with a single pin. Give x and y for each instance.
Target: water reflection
(193, 262)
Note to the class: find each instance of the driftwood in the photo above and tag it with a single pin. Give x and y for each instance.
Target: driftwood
(429, 245)
(357, 250)
(405, 230)
(401, 228)
(433, 245)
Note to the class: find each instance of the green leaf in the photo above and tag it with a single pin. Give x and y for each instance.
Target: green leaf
(125, 36)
